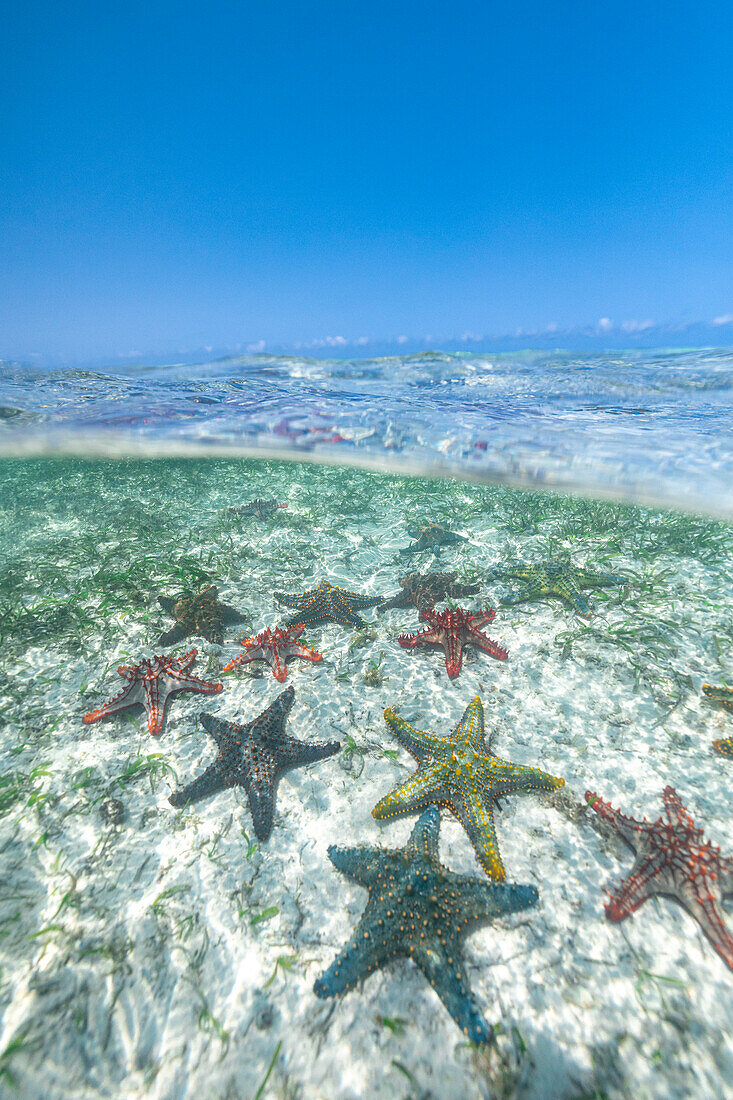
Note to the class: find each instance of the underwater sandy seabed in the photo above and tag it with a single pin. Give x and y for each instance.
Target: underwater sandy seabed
(174, 956)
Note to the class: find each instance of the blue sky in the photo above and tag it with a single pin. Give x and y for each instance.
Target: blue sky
(234, 175)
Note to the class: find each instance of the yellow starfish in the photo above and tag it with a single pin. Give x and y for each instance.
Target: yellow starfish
(460, 772)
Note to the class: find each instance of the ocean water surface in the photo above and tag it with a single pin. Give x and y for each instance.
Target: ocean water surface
(158, 950)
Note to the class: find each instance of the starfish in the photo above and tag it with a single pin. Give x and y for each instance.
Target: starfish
(430, 537)
(201, 615)
(556, 577)
(460, 772)
(253, 756)
(260, 508)
(327, 603)
(276, 647)
(724, 696)
(424, 590)
(452, 629)
(150, 684)
(671, 859)
(420, 910)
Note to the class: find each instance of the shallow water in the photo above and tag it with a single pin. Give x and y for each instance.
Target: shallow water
(173, 955)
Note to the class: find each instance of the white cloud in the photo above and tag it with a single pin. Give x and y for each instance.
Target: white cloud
(552, 327)
(401, 339)
(361, 341)
(258, 346)
(605, 324)
(724, 319)
(636, 326)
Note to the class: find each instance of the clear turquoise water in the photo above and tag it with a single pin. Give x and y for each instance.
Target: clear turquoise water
(173, 955)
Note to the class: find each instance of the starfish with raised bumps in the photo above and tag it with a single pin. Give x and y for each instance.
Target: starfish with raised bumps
(253, 756)
(424, 590)
(460, 772)
(555, 577)
(724, 696)
(327, 604)
(150, 684)
(431, 537)
(263, 509)
(201, 615)
(671, 859)
(418, 909)
(452, 630)
(276, 647)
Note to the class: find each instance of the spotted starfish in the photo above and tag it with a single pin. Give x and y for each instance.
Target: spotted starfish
(452, 629)
(460, 772)
(724, 696)
(430, 537)
(671, 859)
(150, 684)
(201, 615)
(253, 756)
(418, 909)
(327, 604)
(556, 577)
(276, 647)
(424, 590)
(260, 508)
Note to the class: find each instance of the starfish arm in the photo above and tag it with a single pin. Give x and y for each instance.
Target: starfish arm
(293, 599)
(270, 724)
(223, 733)
(425, 786)
(345, 616)
(600, 580)
(724, 745)
(676, 809)
(704, 908)
(441, 966)
(526, 592)
(180, 664)
(176, 634)
(129, 695)
(361, 864)
(567, 589)
(231, 615)
(400, 600)
(357, 599)
(415, 741)
(428, 636)
(240, 659)
(470, 729)
(629, 829)
(723, 695)
(295, 649)
(260, 789)
(424, 838)
(505, 778)
(369, 948)
(474, 902)
(523, 572)
(294, 753)
(489, 646)
(277, 663)
(208, 627)
(634, 890)
(156, 698)
(167, 603)
(209, 782)
(477, 818)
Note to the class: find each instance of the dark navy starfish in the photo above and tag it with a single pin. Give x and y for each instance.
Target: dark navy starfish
(431, 537)
(327, 604)
(419, 909)
(253, 757)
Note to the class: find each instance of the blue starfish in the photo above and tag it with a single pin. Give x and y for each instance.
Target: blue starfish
(419, 909)
(555, 577)
(327, 604)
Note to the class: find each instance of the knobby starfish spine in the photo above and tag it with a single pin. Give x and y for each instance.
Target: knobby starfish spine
(671, 859)
(150, 684)
(453, 629)
(275, 647)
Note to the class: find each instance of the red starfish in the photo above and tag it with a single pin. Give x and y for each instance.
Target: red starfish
(150, 684)
(276, 647)
(671, 859)
(452, 629)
